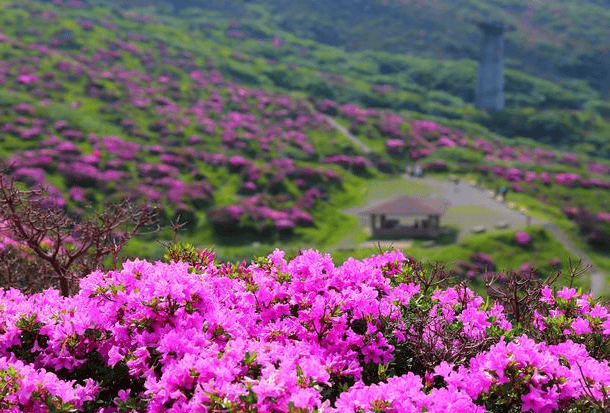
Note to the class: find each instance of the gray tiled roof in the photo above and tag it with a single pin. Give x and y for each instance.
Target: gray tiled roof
(410, 206)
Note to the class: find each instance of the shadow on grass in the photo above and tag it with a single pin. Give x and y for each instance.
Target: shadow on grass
(448, 238)
(246, 236)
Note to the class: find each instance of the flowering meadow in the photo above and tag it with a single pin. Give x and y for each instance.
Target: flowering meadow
(97, 106)
(297, 335)
(95, 111)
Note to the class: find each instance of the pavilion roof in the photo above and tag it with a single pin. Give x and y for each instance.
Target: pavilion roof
(410, 206)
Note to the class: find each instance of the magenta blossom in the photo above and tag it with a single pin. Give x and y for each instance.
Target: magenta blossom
(523, 238)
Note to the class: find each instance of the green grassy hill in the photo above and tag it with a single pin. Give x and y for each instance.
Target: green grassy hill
(564, 108)
(227, 125)
(558, 39)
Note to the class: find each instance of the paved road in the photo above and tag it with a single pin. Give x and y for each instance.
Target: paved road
(469, 208)
(463, 194)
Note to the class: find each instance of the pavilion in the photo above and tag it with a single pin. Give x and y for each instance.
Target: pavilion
(425, 214)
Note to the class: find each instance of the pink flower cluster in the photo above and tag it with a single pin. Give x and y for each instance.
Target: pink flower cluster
(356, 163)
(599, 168)
(275, 335)
(534, 376)
(458, 309)
(426, 127)
(275, 329)
(405, 394)
(574, 316)
(523, 238)
(262, 216)
(395, 144)
(437, 165)
(478, 264)
(37, 390)
(356, 113)
(569, 179)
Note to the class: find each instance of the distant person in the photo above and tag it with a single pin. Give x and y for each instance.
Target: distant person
(503, 191)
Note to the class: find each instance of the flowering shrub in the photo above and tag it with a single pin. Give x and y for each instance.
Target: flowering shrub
(283, 335)
(535, 376)
(577, 317)
(595, 227)
(37, 390)
(405, 394)
(276, 335)
(523, 238)
(436, 166)
(478, 263)
(395, 146)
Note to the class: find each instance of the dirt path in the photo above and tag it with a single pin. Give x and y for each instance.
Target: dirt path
(597, 276)
(348, 134)
(341, 129)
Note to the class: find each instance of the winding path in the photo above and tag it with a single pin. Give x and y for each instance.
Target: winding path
(353, 139)
(464, 195)
(467, 196)
(597, 276)
(348, 134)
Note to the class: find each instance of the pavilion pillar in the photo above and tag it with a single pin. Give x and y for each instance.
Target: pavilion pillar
(373, 223)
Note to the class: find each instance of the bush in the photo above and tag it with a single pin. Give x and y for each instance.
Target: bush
(522, 238)
(44, 247)
(300, 335)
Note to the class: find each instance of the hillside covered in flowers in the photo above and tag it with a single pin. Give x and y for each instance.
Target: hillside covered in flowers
(120, 126)
(100, 105)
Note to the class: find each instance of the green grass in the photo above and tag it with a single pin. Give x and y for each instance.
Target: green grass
(331, 227)
(386, 188)
(554, 214)
(500, 245)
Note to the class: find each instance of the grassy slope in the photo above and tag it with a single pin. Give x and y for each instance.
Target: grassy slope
(558, 39)
(564, 112)
(89, 120)
(555, 38)
(322, 237)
